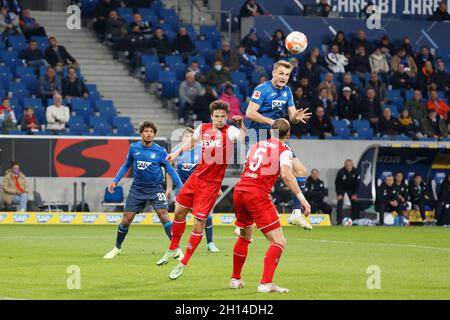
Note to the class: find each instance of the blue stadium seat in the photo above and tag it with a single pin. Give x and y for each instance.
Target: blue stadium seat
(310, 137)
(402, 138)
(25, 72)
(205, 49)
(164, 13)
(78, 103)
(88, 7)
(191, 31)
(33, 102)
(100, 125)
(149, 58)
(171, 23)
(100, 104)
(357, 124)
(86, 112)
(92, 89)
(365, 132)
(339, 124)
(147, 12)
(77, 125)
(40, 114)
(427, 139)
(115, 197)
(17, 132)
(17, 43)
(18, 89)
(211, 33)
(5, 79)
(126, 14)
(200, 59)
(42, 42)
(123, 125)
(180, 70)
(170, 89)
(152, 71)
(172, 59)
(266, 63)
(164, 76)
(342, 132)
(108, 114)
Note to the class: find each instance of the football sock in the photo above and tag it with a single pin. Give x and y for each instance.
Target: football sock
(208, 229)
(121, 234)
(239, 255)
(271, 260)
(193, 243)
(295, 202)
(178, 228)
(168, 228)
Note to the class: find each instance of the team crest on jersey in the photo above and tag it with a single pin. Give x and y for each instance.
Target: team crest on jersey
(256, 95)
(142, 165)
(284, 94)
(278, 104)
(153, 156)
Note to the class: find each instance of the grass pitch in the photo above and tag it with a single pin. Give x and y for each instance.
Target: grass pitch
(326, 263)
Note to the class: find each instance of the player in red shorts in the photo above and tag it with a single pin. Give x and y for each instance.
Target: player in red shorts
(266, 160)
(200, 191)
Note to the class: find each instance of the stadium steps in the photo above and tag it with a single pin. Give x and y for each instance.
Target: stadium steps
(111, 77)
(185, 13)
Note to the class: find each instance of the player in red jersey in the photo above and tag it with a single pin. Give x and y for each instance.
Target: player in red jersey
(200, 191)
(266, 160)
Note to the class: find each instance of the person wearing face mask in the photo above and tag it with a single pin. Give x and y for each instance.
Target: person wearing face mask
(251, 9)
(15, 187)
(218, 75)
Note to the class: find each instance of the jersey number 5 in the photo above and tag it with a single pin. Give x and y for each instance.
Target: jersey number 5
(254, 165)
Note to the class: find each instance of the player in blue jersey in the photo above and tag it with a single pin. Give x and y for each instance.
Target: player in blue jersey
(272, 100)
(185, 165)
(147, 159)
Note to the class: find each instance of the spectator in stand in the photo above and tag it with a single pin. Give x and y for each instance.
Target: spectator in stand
(235, 105)
(57, 115)
(73, 87)
(387, 44)
(347, 81)
(348, 105)
(217, 75)
(406, 44)
(13, 6)
(15, 187)
(246, 61)
(325, 8)
(400, 80)
(201, 105)
(277, 49)
(33, 56)
(9, 22)
(417, 107)
(347, 181)
(402, 187)
(198, 74)
(423, 56)
(441, 13)
(426, 78)
(300, 101)
(8, 119)
(58, 54)
(438, 104)
(433, 126)
(160, 43)
(407, 125)
(420, 196)
(135, 44)
(145, 27)
(189, 90)
(310, 72)
(361, 41)
(443, 203)
(371, 107)
(252, 44)
(320, 124)
(336, 61)
(379, 64)
(251, 9)
(408, 61)
(182, 44)
(315, 192)
(359, 63)
(102, 10)
(380, 88)
(388, 125)
(324, 102)
(388, 199)
(29, 122)
(50, 84)
(442, 78)
(308, 90)
(29, 25)
(328, 83)
(317, 60)
(115, 29)
(229, 58)
(342, 43)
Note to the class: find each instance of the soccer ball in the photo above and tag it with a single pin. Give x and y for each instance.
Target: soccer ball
(296, 42)
(347, 222)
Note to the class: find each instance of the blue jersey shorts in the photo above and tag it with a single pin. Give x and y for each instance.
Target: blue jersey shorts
(138, 197)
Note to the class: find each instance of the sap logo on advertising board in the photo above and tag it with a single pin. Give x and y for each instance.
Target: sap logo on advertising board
(139, 218)
(2, 217)
(20, 218)
(89, 218)
(155, 218)
(113, 218)
(66, 218)
(43, 218)
(227, 219)
(316, 219)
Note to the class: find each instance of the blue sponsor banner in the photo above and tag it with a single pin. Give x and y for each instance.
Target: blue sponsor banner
(89, 218)
(113, 218)
(43, 218)
(225, 220)
(21, 217)
(66, 218)
(155, 218)
(2, 217)
(316, 219)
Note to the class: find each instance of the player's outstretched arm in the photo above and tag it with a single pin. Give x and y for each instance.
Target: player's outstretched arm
(122, 171)
(290, 181)
(188, 145)
(253, 114)
(296, 116)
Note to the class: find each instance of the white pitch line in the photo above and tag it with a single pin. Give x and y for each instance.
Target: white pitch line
(9, 298)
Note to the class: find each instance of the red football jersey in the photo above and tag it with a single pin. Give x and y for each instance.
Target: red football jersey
(263, 165)
(217, 150)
